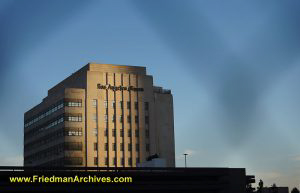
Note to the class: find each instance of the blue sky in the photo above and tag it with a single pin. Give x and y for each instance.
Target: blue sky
(233, 68)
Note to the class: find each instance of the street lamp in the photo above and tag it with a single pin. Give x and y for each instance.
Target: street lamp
(185, 154)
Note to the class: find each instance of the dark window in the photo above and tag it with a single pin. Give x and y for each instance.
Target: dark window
(106, 147)
(137, 147)
(122, 132)
(129, 161)
(113, 118)
(106, 132)
(146, 106)
(121, 104)
(114, 132)
(129, 146)
(128, 105)
(148, 147)
(106, 161)
(129, 132)
(122, 161)
(147, 133)
(137, 134)
(121, 118)
(95, 146)
(128, 119)
(114, 147)
(73, 146)
(136, 105)
(113, 104)
(136, 118)
(114, 161)
(147, 120)
(137, 160)
(95, 161)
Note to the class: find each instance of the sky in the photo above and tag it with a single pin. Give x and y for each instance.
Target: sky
(233, 68)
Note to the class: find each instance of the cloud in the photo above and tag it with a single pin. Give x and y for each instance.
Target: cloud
(11, 161)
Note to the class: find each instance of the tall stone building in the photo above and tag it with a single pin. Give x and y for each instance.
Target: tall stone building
(102, 115)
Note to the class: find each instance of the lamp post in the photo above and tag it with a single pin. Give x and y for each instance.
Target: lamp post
(185, 154)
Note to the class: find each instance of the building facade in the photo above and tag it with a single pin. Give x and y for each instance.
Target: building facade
(102, 115)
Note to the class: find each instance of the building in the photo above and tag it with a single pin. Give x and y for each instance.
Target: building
(275, 190)
(102, 115)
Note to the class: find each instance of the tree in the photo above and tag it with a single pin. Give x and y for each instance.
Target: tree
(274, 188)
(260, 186)
(295, 190)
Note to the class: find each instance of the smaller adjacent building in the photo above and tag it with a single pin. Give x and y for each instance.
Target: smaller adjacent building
(275, 190)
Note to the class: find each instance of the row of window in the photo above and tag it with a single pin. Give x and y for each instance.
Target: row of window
(113, 104)
(64, 161)
(49, 152)
(52, 123)
(121, 132)
(114, 161)
(121, 118)
(56, 150)
(52, 109)
(114, 147)
(53, 136)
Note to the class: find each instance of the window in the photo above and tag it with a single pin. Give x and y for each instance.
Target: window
(95, 146)
(129, 132)
(121, 118)
(146, 106)
(73, 118)
(147, 120)
(137, 160)
(73, 146)
(114, 132)
(121, 146)
(94, 102)
(122, 161)
(128, 104)
(129, 161)
(73, 132)
(137, 134)
(121, 104)
(129, 146)
(96, 131)
(128, 119)
(147, 147)
(122, 132)
(113, 104)
(105, 104)
(94, 117)
(137, 147)
(106, 147)
(105, 118)
(136, 105)
(147, 133)
(106, 161)
(106, 132)
(113, 118)
(95, 161)
(136, 118)
(114, 147)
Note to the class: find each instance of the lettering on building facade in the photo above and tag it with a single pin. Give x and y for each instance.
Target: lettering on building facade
(116, 88)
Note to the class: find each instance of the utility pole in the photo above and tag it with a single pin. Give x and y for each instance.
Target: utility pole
(185, 154)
